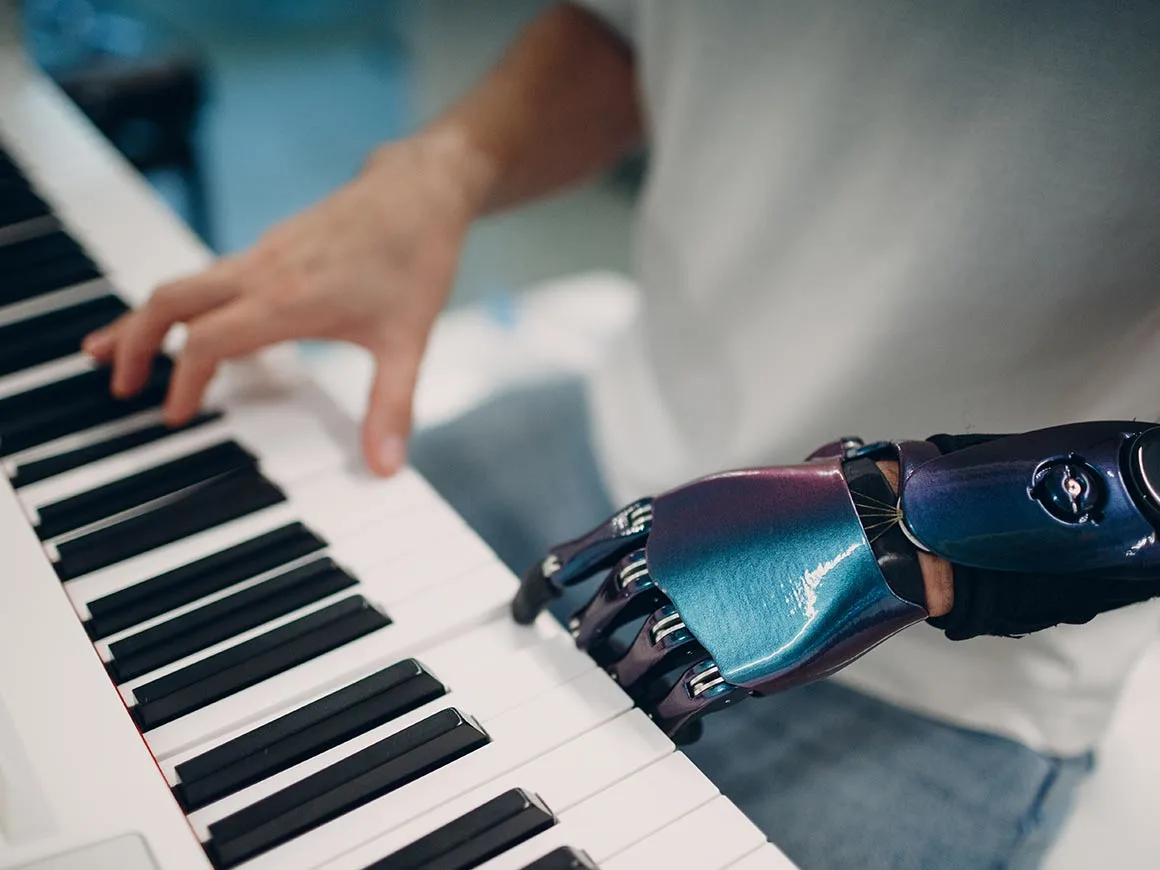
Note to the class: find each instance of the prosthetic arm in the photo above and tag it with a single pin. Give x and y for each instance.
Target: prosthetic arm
(750, 582)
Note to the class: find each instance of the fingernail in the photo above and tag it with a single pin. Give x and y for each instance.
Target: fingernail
(392, 453)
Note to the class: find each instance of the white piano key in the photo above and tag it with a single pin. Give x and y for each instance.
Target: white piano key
(562, 778)
(766, 857)
(57, 299)
(455, 662)
(410, 568)
(419, 622)
(516, 679)
(365, 549)
(350, 501)
(291, 443)
(619, 816)
(517, 737)
(46, 373)
(467, 657)
(711, 837)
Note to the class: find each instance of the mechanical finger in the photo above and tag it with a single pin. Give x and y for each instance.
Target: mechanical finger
(569, 563)
(663, 644)
(628, 593)
(699, 691)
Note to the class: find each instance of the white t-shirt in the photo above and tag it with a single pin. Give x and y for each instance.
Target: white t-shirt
(892, 219)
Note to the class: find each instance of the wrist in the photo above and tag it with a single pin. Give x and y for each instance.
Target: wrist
(937, 572)
(445, 155)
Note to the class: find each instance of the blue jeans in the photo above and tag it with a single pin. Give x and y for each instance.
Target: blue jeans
(835, 778)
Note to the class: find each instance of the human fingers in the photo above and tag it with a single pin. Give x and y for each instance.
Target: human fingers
(137, 337)
(388, 418)
(101, 343)
(233, 330)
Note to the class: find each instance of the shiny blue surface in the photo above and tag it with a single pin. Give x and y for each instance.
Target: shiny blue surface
(772, 571)
(977, 506)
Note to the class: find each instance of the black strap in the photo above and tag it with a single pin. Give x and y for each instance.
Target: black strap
(1010, 605)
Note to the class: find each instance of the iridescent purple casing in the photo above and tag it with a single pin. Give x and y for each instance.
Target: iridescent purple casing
(1003, 505)
(772, 571)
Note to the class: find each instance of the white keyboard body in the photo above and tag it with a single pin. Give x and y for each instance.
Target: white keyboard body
(79, 784)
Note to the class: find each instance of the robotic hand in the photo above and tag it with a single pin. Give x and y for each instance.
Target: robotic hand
(759, 580)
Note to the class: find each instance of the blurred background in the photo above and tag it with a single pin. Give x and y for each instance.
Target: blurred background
(242, 112)
(282, 100)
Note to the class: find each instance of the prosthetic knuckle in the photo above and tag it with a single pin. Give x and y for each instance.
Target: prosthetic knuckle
(1073, 500)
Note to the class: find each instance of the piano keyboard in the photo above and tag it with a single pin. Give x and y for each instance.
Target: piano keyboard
(311, 668)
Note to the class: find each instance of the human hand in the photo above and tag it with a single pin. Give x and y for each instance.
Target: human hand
(372, 264)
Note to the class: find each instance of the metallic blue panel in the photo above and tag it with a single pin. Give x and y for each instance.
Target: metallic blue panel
(771, 570)
(979, 506)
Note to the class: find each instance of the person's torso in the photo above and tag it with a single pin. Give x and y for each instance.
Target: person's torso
(893, 219)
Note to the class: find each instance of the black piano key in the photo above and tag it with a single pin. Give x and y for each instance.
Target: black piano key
(72, 405)
(142, 487)
(40, 249)
(38, 269)
(50, 466)
(308, 731)
(475, 837)
(227, 617)
(219, 501)
(57, 334)
(41, 278)
(65, 391)
(239, 667)
(564, 858)
(157, 595)
(8, 169)
(346, 785)
(21, 205)
(15, 179)
(287, 635)
(11, 185)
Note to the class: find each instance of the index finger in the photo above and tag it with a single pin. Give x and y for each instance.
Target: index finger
(139, 336)
(234, 330)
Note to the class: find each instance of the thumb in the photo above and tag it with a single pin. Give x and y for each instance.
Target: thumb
(388, 418)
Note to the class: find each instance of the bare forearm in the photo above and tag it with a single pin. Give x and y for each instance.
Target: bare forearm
(559, 107)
